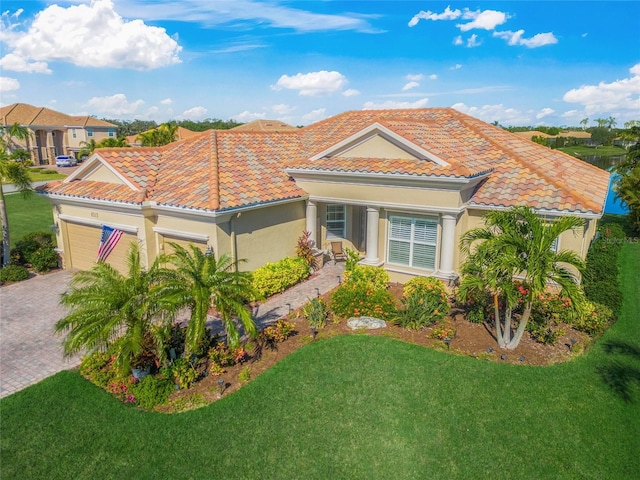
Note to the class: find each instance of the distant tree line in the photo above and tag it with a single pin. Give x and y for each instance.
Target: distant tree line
(135, 127)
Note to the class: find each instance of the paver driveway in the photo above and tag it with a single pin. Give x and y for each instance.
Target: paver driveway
(29, 350)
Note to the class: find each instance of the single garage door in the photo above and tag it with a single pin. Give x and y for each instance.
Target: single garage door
(168, 249)
(84, 241)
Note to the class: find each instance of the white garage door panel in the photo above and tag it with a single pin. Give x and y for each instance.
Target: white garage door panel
(168, 249)
(84, 242)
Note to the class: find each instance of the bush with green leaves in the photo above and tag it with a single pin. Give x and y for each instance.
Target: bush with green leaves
(600, 277)
(30, 244)
(375, 277)
(359, 299)
(13, 273)
(183, 373)
(316, 312)
(595, 318)
(44, 259)
(152, 390)
(424, 302)
(276, 277)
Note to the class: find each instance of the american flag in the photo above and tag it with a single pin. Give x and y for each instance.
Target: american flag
(108, 241)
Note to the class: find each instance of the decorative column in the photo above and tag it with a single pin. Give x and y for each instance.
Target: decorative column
(50, 148)
(373, 217)
(312, 222)
(447, 244)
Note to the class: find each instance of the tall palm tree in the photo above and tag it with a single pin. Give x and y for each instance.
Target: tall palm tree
(519, 242)
(113, 142)
(11, 172)
(163, 135)
(87, 148)
(209, 282)
(584, 122)
(130, 313)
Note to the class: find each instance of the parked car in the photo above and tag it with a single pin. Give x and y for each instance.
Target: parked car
(66, 161)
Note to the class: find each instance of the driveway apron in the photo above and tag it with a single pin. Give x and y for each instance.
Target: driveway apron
(29, 349)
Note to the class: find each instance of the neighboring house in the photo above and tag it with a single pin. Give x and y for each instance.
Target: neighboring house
(53, 133)
(399, 186)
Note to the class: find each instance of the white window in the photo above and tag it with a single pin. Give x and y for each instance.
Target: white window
(112, 132)
(336, 221)
(74, 132)
(89, 132)
(413, 242)
(555, 245)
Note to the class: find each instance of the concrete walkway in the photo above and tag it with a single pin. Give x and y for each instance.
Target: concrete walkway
(30, 351)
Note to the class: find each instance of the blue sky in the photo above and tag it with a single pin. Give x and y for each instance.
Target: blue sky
(518, 63)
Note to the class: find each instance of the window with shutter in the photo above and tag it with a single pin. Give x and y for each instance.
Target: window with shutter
(413, 242)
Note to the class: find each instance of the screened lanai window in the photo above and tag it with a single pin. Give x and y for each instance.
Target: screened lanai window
(413, 241)
(336, 221)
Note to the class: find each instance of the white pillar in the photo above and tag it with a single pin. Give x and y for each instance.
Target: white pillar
(447, 244)
(373, 217)
(312, 221)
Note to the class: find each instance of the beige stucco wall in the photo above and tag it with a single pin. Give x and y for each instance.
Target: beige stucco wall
(262, 235)
(102, 174)
(376, 147)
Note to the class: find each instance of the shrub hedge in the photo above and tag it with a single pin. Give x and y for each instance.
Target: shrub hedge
(276, 277)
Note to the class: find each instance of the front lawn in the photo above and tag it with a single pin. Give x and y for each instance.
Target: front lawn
(584, 151)
(26, 215)
(355, 406)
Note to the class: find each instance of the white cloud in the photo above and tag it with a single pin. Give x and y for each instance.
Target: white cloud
(351, 92)
(538, 40)
(415, 77)
(312, 83)
(433, 76)
(114, 105)
(492, 113)
(166, 101)
(282, 109)
(410, 85)
(458, 40)
(195, 113)
(16, 63)
(8, 84)
(457, 66)
(472, 41)
(544, 112)
(484, 20)
(620, 95)
(389, 104)
(92, 35)
(447, 14)
(315, 115)
(247, 116)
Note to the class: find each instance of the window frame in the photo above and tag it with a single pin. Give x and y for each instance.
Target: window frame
(331, 230)
(412, 241)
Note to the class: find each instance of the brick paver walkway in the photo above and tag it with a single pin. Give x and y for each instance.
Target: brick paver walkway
(30, 351)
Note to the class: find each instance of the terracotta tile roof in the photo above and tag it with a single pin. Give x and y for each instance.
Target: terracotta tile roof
(28, 115)
(93, 190)
(223, 169)
(265, 126)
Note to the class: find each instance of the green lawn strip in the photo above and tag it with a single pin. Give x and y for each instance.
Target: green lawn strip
(581, 150)
(348, 407)
(26, 215)
(44, 177)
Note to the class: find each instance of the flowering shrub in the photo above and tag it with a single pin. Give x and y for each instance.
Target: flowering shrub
(442, 331)
(279, 331)
(304, 250)
(594, 318)
(375, 277)
(183, 373)
(276, 277)
(221, 356)
(425, 302)
(356, 299)
(98, 368)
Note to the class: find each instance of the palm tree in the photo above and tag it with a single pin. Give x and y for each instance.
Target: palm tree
(87, 148)
(163, 135)
(131, 314)
(15, 173)
(518, 242)
(584, 122)
(209, 282)
(611, 122)
(113, 142)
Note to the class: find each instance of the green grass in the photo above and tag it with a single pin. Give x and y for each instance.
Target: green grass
(581, 151)
(37, 176)
(26, 215)
(351, 407)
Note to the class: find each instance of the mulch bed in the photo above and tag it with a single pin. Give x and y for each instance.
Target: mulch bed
(471, 339)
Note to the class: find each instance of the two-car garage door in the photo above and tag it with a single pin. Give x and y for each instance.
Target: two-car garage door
(84, 241)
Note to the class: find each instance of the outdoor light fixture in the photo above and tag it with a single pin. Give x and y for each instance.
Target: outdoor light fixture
(318, 292)
(339, 280)
(489, 350)
(314, 332)
(290, 308)
(447, 341)
(221, 385)
(522, 358)
(503, 356)
(209, 251)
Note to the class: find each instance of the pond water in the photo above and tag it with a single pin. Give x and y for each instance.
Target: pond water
(612, 205)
